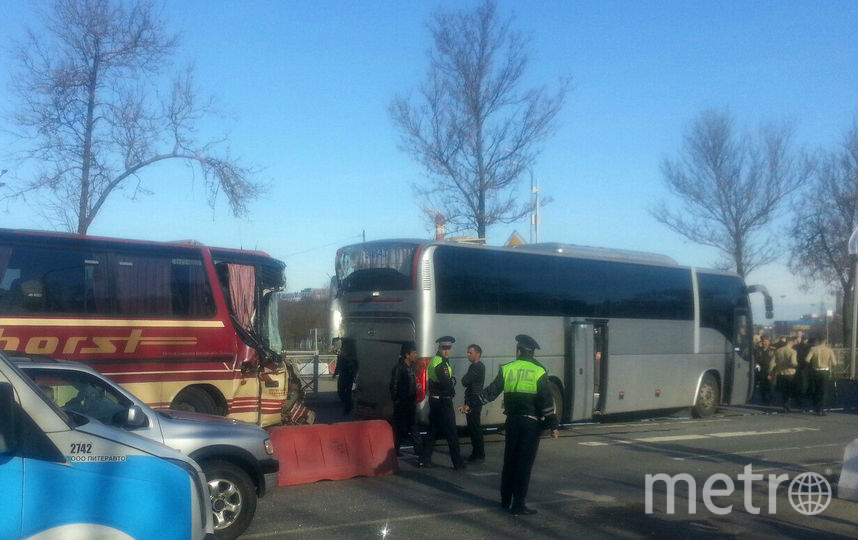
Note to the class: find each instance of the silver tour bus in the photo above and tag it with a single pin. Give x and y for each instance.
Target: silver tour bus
(620, 331)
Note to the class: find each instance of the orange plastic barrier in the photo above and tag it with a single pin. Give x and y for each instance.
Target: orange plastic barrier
(333, 451)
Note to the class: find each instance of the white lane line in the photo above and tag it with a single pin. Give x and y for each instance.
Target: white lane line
(769, 432)
(761, 451)
(385, 522)
(722, 435)
(669, 438)
(589, 496)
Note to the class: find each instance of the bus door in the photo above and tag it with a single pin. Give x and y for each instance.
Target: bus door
(378, 341)
(739, 372)
(580, 368)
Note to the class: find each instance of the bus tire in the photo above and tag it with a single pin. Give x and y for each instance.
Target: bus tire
(557, 397)
(708, 397)
(233, 498)
(195, 399)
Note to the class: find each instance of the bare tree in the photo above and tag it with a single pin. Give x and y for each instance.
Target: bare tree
(823, 223)
(730, 187)
(472, 129)
(91, 115)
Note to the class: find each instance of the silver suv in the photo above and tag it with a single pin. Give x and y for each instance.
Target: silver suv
(236, 457)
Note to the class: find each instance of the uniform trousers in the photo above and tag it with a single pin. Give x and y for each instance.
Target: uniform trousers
(786, 385)
(519, 453)
(821, 377)
(765, 385)
(475, 430)
(442, 419)
(405, 425)
(344, 391)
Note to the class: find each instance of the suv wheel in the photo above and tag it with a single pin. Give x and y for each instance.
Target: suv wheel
(233, 498)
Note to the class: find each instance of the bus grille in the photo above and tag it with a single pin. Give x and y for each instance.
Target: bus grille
(427, 279)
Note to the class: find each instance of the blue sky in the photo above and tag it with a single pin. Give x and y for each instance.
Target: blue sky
(307, 85)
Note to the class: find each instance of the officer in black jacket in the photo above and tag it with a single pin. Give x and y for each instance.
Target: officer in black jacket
(528, 406)
(442, 415)
(403, 392)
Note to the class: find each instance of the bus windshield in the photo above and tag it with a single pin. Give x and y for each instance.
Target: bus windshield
(376, 266)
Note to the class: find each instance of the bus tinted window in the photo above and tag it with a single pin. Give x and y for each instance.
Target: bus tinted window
(376, 267)
(69, 281)
(720, 295)
(504, 283)
(161, 286)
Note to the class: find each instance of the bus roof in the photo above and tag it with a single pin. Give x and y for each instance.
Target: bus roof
(558, 249)
(12, 233)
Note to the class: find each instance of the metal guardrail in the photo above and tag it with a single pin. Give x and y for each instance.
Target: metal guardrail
(307, 365)
(843, 369)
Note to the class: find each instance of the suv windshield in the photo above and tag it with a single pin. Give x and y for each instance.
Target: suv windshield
(376, 267)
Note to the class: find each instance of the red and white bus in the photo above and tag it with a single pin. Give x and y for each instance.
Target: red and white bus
(179, 324)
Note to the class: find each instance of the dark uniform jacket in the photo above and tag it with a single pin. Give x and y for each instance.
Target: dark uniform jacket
(474, 379)
(403, 383)
(526, 391)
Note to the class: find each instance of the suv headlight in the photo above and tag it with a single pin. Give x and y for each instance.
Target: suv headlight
(269, 448)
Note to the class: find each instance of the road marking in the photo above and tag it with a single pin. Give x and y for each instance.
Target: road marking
(385, 522)
(589, 496)
(760, 451)
(722, 435)
(669, 438)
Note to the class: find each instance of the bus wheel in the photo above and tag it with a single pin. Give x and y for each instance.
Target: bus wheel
(557, 397)
(195, 399)
(707, 397)
(233, 498)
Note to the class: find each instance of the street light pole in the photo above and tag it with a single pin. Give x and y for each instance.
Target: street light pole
(853, 251)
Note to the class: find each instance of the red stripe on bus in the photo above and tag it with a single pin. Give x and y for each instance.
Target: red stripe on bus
(168, 376)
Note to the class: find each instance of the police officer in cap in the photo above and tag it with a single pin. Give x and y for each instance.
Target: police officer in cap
(442, 416)
(528, 407)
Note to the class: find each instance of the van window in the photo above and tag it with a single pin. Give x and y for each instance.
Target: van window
(80, 392)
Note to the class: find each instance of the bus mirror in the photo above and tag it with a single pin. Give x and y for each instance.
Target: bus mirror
(8, 419)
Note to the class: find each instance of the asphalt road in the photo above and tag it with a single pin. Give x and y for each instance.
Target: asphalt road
(591, 483)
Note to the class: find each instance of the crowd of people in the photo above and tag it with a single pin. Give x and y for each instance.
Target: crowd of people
(797, 368)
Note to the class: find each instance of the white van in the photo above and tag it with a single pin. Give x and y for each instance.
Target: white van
(69, 477)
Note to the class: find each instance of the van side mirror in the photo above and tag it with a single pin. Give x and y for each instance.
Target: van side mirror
(132, 417)
(8, 419)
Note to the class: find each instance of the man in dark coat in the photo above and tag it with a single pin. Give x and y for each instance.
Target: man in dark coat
(403, 392)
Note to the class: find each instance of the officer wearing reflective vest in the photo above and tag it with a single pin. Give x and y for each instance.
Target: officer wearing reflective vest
(529, 407)
(442, 415)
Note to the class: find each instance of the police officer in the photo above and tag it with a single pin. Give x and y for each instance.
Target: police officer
(785, 364)
(821, 360)
(528, 406)
(442, 415)
(765, 355)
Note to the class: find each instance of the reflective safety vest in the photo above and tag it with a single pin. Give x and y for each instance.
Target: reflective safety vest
(520, 377)
(436, 361)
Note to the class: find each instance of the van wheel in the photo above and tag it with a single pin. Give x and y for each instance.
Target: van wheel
(194, 399)
(708, 397)
(557, 397)
(233, 498)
